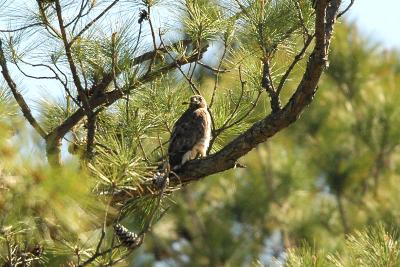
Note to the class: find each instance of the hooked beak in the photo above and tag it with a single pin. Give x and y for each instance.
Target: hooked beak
(185, 103)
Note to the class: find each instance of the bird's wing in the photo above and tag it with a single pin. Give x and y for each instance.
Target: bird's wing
(187, 131)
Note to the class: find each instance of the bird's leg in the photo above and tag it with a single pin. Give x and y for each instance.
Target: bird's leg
(201, 153)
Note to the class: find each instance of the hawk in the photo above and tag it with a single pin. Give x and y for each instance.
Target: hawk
(191, 134)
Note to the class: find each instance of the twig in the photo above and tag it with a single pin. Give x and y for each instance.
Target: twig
(143, 152)
(50, 29)
(159, 147)
(189, 80)
(217, 76)
(346, 9)
(301, 17)
(102, 236)
(23, 27)
(80, 15)
(148, 224)
(211, 68)
(31, 76)
(153, 38)
(253, 105)
(198, 45)
(233, 113)
(99, 254)
(91, 22)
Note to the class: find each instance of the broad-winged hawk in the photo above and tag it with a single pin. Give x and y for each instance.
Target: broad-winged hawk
(191, 134)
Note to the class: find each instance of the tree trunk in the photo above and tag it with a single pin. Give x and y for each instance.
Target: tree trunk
(53, 150)
(342, 214)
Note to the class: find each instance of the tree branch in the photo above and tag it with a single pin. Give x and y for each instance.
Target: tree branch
(17, 95)
(22, 27)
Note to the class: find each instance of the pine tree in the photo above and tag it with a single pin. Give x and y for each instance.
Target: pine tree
(123, 69)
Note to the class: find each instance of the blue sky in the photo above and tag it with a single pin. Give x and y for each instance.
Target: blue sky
(379, 20)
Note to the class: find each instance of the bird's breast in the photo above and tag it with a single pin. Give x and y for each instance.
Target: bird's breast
(205, 139)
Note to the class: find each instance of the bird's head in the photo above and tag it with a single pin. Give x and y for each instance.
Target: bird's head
(196, 101)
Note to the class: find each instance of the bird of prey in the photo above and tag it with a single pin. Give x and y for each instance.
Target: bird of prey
(191, 134)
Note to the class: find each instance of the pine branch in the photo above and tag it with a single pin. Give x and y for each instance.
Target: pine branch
(267, 84)
(26, 111)
(91, 132)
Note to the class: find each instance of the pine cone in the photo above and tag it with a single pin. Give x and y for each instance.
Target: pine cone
(127, 238)
(143, 15)
(37, 250)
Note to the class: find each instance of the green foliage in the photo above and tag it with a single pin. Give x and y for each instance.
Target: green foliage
(41, 207)
(306, 256)
(317, 183)
(270, 24)
(333, 173)
(203, 20)
(54, 111)
(374, 246)
(8, 111)
(108, 52)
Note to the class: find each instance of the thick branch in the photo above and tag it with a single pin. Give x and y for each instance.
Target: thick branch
(91, 132)
(17, 95)
(266, 83)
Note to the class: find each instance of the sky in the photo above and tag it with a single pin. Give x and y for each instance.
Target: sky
(379, 20)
